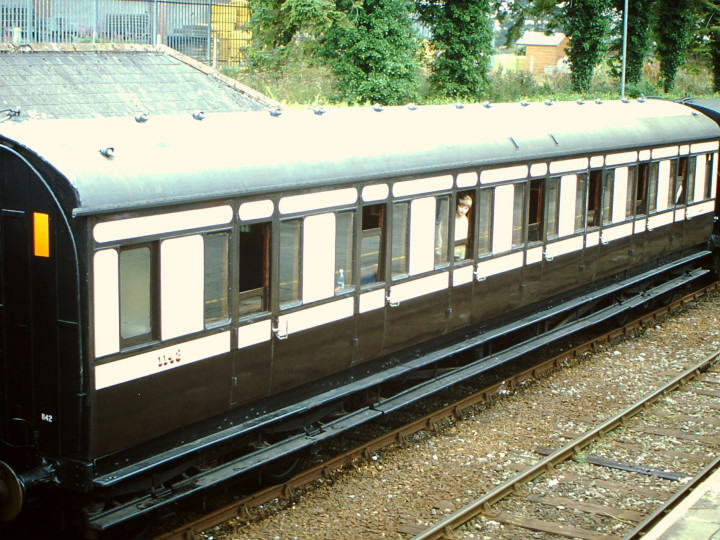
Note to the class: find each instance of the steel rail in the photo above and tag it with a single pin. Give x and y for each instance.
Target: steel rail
(654, 518)
(484, 503)
(242, 507)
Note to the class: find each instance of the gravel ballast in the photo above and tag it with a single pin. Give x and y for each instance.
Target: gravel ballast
(405, 488)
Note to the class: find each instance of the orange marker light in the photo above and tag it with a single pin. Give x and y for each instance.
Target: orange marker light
(41, 228)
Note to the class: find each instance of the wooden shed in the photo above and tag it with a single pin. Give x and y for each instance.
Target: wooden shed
(544, 52)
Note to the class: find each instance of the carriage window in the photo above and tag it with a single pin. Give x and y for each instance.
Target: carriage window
(593, 197)
(136, 298)
(641, 188)
(553, 206)
(535, 212)
(442, 220)
(608, 188)
(253, 268)
(676, 192)
(690, 179)
(630, 191)
(400, 226)
(289, 263)
(518, 215)
(463, 215)
(580, 202)
(371, 245)
(216, 277)
(708, 175)
(484, 218)
(652, 186)
(344, 226)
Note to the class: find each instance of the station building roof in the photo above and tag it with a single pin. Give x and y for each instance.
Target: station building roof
(95, 80)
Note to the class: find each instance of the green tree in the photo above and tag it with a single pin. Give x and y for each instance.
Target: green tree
(377, 57)
(707, 37)
(463, 38)
(586, 25)
(673, 32)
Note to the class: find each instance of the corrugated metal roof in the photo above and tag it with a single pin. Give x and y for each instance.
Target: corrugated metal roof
(85, 80)
(177, 158)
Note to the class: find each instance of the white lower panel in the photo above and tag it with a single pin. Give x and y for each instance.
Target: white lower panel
(592, 239)
(533, 255)
(419, 287)
(617, 232)
(562, 247)
(700, 209)
(680, 215)
(640, 226)
(371, 301)
(254, 333)
(660, 220)
(499, 265)
(462, 276)
(315, 316)
(150, 363)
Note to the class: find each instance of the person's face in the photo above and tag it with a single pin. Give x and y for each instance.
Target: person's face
(462, 209)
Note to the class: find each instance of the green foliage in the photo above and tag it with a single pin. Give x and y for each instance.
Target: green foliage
(377, 57)
(675, 19)
(586, 27)
(462, 38)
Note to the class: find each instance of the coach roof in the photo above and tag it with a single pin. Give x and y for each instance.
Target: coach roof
(119, 163)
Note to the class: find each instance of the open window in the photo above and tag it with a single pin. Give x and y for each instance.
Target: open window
(372, 244)
(642, 182)
(593, 198)
(254, 268)
(464, 214)
(536, 211)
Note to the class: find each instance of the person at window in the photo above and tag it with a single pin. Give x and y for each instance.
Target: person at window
(462, 224)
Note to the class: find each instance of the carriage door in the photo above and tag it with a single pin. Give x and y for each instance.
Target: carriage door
(39, 326)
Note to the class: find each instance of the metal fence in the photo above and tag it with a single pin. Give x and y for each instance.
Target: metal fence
(212, 31)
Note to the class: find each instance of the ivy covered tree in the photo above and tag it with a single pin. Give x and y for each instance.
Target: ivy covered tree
(377, 57)
(673, 32)
(462, 35)
(586, 25)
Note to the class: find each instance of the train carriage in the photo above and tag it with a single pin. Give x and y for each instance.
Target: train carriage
(177, 280)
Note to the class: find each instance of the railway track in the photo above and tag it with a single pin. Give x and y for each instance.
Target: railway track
(675, 415)
(242, 509)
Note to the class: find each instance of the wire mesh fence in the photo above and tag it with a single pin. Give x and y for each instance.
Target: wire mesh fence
(211, 31)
